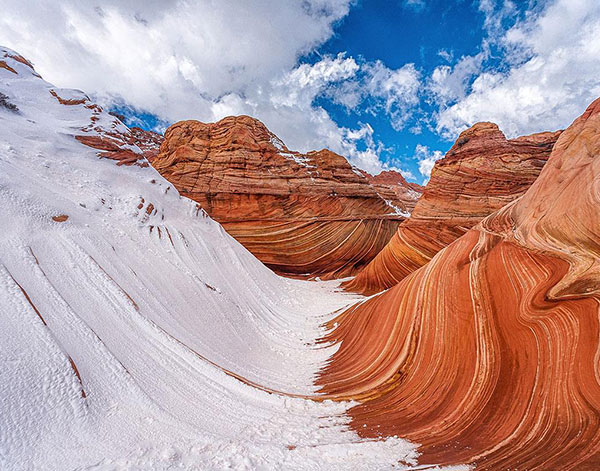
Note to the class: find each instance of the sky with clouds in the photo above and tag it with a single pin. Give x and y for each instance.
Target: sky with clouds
(386, 83)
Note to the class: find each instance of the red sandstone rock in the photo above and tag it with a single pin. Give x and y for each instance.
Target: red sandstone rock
(301, 214)
(106, 132)
(482, 172)
(393, 187)
(489, 353)
(148, 141)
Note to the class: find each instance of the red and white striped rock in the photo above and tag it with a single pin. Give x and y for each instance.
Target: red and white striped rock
(482, 172)
(300, 214)
(489, 353)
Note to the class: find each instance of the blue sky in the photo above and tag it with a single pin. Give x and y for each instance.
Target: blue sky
(388, 84)
(426, 33)
(398, 33)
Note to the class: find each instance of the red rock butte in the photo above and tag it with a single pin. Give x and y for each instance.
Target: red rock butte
(300, 214)
(489, 353)
(482, 172)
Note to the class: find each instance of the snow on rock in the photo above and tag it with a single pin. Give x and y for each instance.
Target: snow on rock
(135, 333)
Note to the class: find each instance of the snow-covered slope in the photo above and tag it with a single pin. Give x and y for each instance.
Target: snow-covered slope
(135, 333)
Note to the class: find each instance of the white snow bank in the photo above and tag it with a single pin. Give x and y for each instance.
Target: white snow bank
(117, 326)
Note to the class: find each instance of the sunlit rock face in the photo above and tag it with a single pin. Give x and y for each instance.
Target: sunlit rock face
(489, 354)
(482, 172)
(300, 214)
(392, 186)
(102, 130)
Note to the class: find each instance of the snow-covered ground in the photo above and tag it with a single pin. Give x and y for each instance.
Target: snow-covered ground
(137, 334)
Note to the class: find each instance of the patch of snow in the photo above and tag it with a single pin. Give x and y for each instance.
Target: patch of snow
(278, 143)
(356, 170)
(397, 211)
(137, 334)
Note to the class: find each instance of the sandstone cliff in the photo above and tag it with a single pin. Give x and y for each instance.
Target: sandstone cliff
(482, 172)
(300, 214)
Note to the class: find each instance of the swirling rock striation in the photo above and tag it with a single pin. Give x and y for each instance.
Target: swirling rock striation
(482, 172)
(489, 354)
(300, 214)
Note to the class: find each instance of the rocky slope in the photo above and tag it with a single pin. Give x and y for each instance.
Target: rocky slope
(482, 172)
(300, 214)
(135, 333)
(489, 353)
(395, 189)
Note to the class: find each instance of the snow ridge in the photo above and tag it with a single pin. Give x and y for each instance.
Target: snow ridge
(128, 315)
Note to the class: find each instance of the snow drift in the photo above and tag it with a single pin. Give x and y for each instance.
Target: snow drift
(135, 333)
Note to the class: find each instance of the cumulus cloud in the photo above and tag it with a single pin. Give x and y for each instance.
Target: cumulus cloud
(416, 5)
(553, 73)
(426, 159)
(171, 57)
(201, 59)
(379, 89)
(450, 83)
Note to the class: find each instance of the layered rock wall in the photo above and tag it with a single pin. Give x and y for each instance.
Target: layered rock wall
(307, 214)
(482, 172)
(489, 353)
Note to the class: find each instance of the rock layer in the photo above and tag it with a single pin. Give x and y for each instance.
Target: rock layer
(489, 353)
(482, 172)
(300, 214)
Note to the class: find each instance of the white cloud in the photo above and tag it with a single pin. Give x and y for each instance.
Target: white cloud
(204, 60)
(416, 5)
(495, 13)
(379, 89)
(300, 86)
(398, 89)
(427, 159)
(554, 73)
(449, 84)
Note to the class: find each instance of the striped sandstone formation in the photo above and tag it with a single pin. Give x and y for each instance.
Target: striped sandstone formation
(489, 354)
(482, 172)
(307, 214)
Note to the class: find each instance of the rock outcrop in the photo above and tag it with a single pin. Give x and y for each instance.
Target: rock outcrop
(392, 186)
(307, 214)
(148, 141)
(489, 353)
(482, 172)
(103, 131)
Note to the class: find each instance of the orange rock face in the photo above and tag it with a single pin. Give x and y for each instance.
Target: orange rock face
(393, 187)
(482, 172)
(301, 214)
(489, 353)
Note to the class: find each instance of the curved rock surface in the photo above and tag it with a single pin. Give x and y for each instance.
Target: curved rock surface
(300, 214)
(135, 333)
(489, 353)
(482, 172)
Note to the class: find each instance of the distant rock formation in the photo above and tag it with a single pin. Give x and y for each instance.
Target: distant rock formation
(489, 354)
(392, 186)
(482, 172)
(307, 214)
(148, 141)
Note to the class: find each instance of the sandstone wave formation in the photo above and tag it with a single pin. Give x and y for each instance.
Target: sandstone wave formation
(309, 214)
(482, 172)
(489, 354)
(135, 333)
